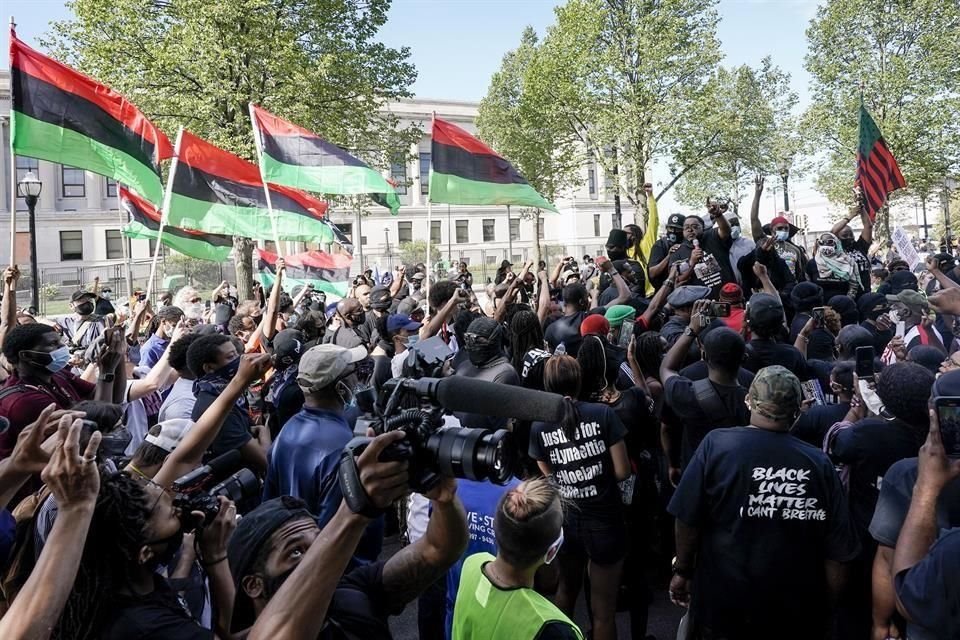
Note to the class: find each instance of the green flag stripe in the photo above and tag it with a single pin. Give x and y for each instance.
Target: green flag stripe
(38, 139)
(248, 222)
(188, 247)
(450, 189)
(342, 180)
(330, 288)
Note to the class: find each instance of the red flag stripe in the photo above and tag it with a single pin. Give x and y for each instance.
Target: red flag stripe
(450, 134)
(870, 189)
(275, 126)
(892, 165)
(200, 154)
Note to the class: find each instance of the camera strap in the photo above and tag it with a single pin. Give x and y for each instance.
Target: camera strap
(352, 489)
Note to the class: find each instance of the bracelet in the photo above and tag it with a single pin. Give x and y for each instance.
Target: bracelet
(670, 283)
(213, 562)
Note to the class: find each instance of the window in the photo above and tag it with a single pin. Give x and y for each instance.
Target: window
(404, 232)
(111, 188)
(347, 228)
(592, 182)
(434, 232)
(608, 182)
(424, 173)
(363, 240)
(398, 172)
(71, 245)
(462, 234)
(489, 227)
(514, 229)
(540, 234)
(114, 244)
(73, 185)
(24, 165)
(596, 225)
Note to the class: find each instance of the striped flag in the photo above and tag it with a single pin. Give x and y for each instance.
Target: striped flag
(293, 156)
(145, 224)
(466, 171)
(63, 116)
(877, 172)
(326, 272)
(217, 192)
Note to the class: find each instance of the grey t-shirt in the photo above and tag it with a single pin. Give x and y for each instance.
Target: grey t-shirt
(498, 370)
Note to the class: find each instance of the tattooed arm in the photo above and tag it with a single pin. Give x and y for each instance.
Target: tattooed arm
(407, 574)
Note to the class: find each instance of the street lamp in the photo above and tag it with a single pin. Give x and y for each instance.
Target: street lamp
(784, 166)
(386, 239)
(29, 189)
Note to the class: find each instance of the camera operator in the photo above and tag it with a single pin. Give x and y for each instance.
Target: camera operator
(289, 574)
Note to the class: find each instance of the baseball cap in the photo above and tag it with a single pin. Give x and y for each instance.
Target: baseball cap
(947, 384)
(778, 221)
(868, 302)
(914, 300)
(81, 294)
(399, 321)
(171, 433)
(902, 281)
(945, 261)
(616, 314)
(686, 295)
(595, 324)
(775, 393)
(418, 276)
(380, 297)
(675, 220)
(246, 544)
(764, 309)
(732, 293)
(324, 364)
(288, 346)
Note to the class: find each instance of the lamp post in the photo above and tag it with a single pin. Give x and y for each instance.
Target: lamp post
(784, 166)
(950, 185)
(389, 254)
(29, 189)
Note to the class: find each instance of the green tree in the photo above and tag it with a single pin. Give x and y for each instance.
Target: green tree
(198, 64)
(416, 251)
(516, 122)
(757, 133)
(901, 58)
(630, 79)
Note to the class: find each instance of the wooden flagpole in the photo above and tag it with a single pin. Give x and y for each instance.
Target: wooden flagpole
(165, 210)
(13, 183)
(125, 242)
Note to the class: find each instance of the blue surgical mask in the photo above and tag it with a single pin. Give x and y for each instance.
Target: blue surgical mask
(783, 235)
(734, 232)
(59, 359)
(412, 340)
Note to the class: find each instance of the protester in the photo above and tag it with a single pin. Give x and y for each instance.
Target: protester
(83, 326)
(180, 399)
(166, 320)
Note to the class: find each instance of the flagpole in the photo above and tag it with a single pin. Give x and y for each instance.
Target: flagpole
(125, 243)
(258, 143)
(13, 185)
(165, 210)
(509, 237)
(430, 265)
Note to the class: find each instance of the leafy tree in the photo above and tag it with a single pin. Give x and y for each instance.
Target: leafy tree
(516, 122)
(199, 63)
(631, 80)
(901, 58)
(416, 251)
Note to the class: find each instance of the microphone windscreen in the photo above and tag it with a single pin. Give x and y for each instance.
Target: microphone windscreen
(458, 393)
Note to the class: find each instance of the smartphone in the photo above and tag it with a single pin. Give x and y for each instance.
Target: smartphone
(948, 414)
(864, 366)
(626, 332)
(720, 309)
(812, 391)
(818, 315)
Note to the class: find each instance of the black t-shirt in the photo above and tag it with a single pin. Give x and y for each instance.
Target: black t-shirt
(698, 420)
(821, 341)
(582, 465)
(635, 410)
(158, 615)
(565, 330)
(770, 510)
(869, 448)
(235, 431)
(812, 426)
(762, 352)
(659, 251)
(880, 338)
(859, 254)
(698, 371)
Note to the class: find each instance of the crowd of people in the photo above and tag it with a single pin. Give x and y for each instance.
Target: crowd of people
(755, 431)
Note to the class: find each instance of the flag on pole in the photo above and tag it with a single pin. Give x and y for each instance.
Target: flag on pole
(293, 156)
(466, 171)
(326, 272)
(877, 172)
(145, 224)
(217, 192)
(63, 116)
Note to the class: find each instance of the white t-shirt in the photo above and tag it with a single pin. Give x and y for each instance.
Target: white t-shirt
(135, 420)
(179, 402)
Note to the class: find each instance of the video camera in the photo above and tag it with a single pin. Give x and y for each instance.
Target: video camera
(199, 490)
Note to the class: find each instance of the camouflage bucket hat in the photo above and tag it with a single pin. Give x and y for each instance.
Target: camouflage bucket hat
(775, 393)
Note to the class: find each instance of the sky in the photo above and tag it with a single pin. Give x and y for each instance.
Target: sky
(456, 45)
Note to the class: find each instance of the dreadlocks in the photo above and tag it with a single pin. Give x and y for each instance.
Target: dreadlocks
(525, 334)
(117, 531)
(649, 353)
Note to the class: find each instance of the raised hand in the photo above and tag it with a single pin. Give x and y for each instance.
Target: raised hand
(28, 454)
(73, 478)
(10, 276)
(758, 183)
(253, 366)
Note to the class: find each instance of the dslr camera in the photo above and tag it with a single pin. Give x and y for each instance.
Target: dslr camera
(409, 404)
(200, 489)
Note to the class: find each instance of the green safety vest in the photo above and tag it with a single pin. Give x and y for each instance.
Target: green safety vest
(482, 611)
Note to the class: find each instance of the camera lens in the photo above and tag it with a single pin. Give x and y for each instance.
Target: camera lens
(474, 454)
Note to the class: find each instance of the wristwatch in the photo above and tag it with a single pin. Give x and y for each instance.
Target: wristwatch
(690, 333)
(107, 377)
(677, 570)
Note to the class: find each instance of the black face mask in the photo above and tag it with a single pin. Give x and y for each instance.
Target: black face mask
(673, 238)
(847, 243)
(616, 253)
(84, 308)
(876, 313)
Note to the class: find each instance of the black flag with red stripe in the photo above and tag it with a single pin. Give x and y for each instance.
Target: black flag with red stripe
(877, 172)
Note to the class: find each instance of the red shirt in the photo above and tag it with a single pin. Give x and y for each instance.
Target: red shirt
(22, 407)
(735, 319)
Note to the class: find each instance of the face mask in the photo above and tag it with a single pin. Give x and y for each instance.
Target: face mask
(193, 311)
(106, 295)
(84, 308)
(673, 238)
(828, 251)
(876, 313)
(228, 370)
(412, 340)
(847, 244)
(58, 359)
(783, 235)
(734, 232)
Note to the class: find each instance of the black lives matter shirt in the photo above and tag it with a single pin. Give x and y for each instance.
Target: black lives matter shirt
(582, 465)
(712, 271)
(770, 510)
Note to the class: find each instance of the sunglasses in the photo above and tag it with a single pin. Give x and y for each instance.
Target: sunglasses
(553, 549)
(472, 339)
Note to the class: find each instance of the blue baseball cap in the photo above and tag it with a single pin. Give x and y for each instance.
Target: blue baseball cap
(398, 321)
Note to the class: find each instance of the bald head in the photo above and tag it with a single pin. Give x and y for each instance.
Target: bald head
(350, 310)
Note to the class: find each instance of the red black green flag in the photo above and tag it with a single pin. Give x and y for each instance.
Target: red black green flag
(326, 272)
(466, 171)
(877, 172)
(145, 224)
(63, 116)
(217, 192)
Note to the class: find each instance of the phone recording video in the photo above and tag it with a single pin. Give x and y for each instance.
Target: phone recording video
(818, 316)
(719, 310)
(864, 366)
(626, 332)
(948, 414)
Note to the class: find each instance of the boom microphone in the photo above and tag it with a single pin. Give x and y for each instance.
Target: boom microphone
(489, 398)
(220, 467)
